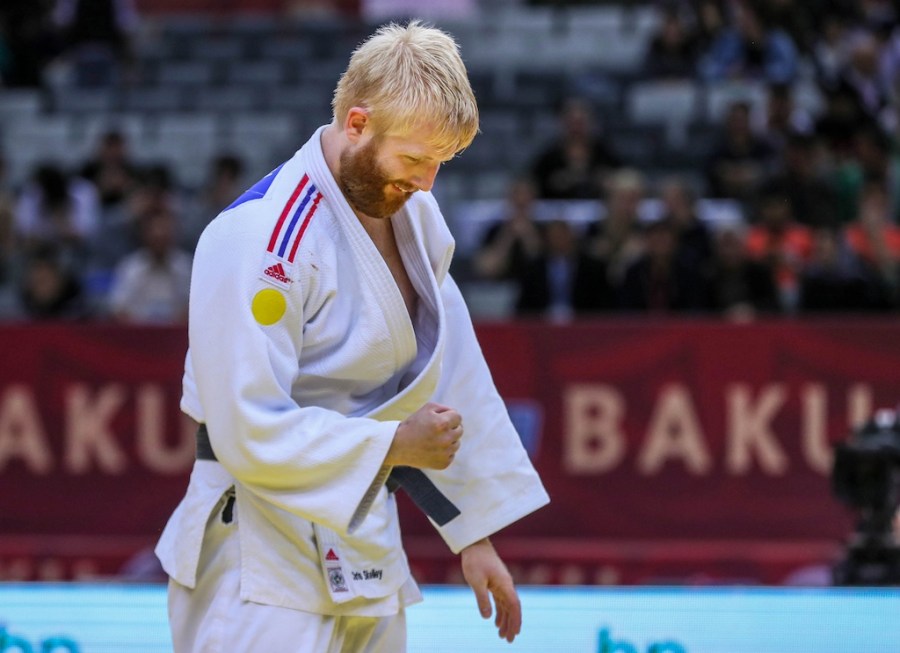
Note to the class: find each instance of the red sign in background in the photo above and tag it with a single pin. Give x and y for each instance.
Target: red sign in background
(672, 451)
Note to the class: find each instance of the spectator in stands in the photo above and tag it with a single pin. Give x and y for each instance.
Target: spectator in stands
(812, 196)
(49, 289)
(875, 239)
(674, 48)
(879, 162)
(694, 243)
(151, 284)
(512, 242)
(562, 281)
(573, 166)
(738, 163)
(156, 191)
(878, 13)
(780, 243)
(835, 279)
(617, 239)
(738, 287)
(114, 173)
(889, 70)
(57, 208)
(748, 50)
(862, 75)
(783, 118)
(223, 185)
(830, 52)
(709, 19)
(872, 161)
(839, 122)
(111, 169)
(28, 40)
(796, 18)
(659, 281)
(96, 36)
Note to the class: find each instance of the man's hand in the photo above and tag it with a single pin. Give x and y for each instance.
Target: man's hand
(485, 572)
(427, 439)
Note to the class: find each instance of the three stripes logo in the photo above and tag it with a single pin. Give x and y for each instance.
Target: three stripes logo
(277, 272)
(292, 223)
(294, 219)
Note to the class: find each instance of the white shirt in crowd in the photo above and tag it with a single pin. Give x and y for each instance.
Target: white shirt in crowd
(149, 291)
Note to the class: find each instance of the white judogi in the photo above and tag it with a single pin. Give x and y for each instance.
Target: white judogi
(302, 362)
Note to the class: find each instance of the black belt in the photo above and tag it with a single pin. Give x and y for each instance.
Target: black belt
(423, 492)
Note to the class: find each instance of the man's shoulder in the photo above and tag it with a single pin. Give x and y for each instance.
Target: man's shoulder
(277, 211)
(281, 235)
(257, 191)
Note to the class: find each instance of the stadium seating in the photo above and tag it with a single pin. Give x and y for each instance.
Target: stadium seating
(257, 85)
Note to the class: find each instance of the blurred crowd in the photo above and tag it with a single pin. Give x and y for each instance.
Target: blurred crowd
(93, 36)
(819, 192)
(112, 240)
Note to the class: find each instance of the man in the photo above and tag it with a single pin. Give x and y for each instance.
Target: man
(573, 166)
(329, 350)
(150, 285)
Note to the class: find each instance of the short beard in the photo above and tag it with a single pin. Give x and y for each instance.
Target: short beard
(364, 183)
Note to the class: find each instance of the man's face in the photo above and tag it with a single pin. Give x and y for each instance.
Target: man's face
(379, 175)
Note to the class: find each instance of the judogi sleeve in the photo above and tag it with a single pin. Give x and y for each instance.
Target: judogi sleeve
(491, 479)
(246, 335)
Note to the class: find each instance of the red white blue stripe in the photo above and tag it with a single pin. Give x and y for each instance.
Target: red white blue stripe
(301, 207)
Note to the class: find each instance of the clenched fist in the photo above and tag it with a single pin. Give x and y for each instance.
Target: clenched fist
(427, 439)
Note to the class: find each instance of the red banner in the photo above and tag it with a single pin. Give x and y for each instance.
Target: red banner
(694, 434)
(91, 438)
(694, 429)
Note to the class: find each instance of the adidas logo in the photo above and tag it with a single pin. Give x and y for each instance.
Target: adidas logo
(277, 272)
(331, 555)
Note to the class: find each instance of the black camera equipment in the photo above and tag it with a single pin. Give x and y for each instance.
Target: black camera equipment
(866, 475)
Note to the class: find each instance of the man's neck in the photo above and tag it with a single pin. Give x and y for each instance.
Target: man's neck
(330, 141)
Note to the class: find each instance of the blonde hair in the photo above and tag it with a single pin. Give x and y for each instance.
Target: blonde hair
(407, 77)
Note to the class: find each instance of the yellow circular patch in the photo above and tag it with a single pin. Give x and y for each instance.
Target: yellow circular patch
(268, 306)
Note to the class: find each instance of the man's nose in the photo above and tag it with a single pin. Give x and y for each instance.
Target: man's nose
(425, 179)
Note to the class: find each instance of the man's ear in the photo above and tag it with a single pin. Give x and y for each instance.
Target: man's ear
(355, 125)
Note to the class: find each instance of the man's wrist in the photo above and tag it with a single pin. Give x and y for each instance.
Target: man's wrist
(485, 541)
